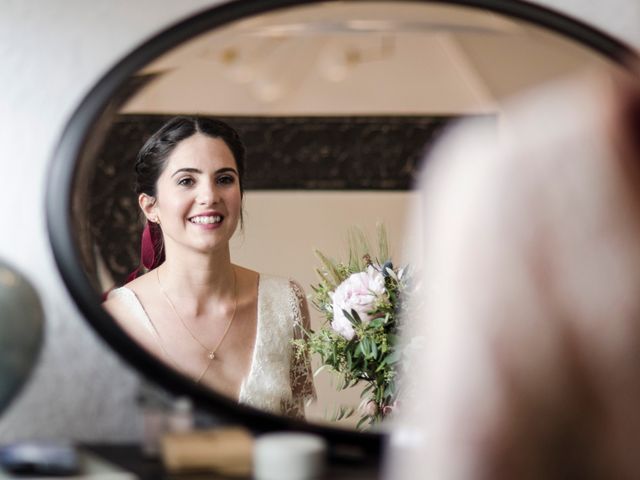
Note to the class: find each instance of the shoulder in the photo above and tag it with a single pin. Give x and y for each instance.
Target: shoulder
(122, 299)
(288, 290)
(117, 300)
(284, 283)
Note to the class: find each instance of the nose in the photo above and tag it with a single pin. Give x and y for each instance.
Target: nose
(207, 194)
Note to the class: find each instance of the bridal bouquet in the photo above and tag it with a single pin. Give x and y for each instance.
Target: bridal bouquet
(361, 301)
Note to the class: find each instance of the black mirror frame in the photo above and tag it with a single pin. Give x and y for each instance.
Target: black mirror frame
(83, 121)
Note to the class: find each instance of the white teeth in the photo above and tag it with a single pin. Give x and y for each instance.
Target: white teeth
(206, 220)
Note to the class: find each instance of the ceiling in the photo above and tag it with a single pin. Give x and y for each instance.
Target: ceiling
(358, 58)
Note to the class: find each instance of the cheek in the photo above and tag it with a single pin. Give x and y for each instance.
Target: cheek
(236, 200)
(174, 205)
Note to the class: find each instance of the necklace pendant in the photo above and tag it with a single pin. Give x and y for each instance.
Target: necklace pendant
(211, 355)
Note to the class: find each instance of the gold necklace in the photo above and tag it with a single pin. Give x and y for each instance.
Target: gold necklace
(211, 352)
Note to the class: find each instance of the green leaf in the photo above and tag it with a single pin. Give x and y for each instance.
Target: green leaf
(383, 243)
(364, 343)
(366, 390)
(374, 350)
(377, 322)
(358, 248)
(343, 383)
(341, 412)
(379, 394)
(364, 419)
(383, 364)
(394, 357)
(392, 339)
(353, 317)
(390, 390)
(331, 270)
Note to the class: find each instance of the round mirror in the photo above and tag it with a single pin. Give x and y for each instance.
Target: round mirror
(336, 104)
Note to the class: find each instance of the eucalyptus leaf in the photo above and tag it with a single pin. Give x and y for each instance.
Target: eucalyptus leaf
(374, 350)
(393, 357)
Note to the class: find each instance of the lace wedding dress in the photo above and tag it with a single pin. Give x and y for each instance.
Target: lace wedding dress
(279, 381)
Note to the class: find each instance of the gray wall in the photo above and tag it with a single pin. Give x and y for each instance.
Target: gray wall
(52, 52)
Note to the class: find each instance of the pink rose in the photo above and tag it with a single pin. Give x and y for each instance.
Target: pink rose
(358, 292)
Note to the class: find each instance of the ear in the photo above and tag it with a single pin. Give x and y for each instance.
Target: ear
(148, 206)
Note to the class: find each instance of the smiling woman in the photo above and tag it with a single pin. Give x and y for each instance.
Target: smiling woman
(218, 323)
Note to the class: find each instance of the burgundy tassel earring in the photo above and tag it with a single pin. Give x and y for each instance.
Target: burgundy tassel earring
(151, 251)
(147, 249)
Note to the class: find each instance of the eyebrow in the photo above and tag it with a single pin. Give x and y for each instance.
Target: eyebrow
(196, 170)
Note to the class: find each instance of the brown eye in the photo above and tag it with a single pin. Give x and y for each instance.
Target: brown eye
(226, 180)
(186, 182)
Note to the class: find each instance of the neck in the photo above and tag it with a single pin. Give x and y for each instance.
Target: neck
(198, 276)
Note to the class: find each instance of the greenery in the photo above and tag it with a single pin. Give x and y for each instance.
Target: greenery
(361, 303)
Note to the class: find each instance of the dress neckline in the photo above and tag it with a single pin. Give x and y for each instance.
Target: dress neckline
(250, 373)
(256, 342)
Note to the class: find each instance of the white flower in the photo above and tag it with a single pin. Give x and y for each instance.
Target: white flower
(358, 292)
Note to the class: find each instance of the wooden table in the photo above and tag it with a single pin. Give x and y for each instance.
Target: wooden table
(131, 458)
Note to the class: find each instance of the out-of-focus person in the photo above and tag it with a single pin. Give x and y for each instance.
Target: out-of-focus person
(530, 304)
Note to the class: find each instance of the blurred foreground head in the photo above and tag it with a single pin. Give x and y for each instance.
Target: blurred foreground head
(530, 257)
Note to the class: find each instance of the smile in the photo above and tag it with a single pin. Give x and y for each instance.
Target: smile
(206, 220)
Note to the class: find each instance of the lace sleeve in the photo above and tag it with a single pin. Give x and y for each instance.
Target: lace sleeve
(301, 375)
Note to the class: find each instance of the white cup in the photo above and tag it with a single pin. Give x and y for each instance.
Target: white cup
(289, 456)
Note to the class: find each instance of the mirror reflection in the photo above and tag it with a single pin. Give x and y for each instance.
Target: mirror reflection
(335, 104)
(220, 324)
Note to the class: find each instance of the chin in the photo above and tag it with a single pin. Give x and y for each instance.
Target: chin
(212, 247)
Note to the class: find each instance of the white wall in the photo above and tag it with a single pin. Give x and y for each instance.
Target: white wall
(51, 53)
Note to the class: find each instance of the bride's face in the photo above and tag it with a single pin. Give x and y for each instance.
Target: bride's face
(198, 200)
